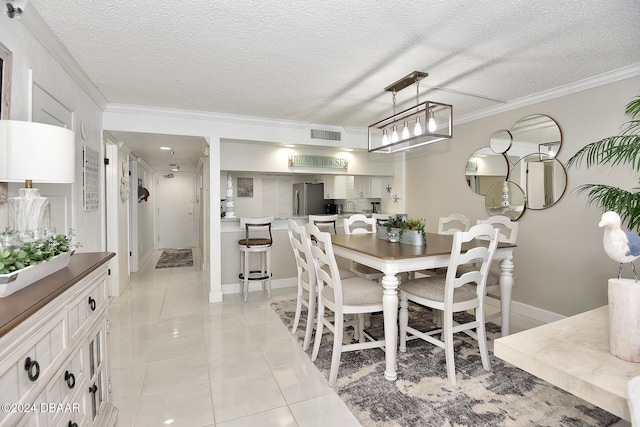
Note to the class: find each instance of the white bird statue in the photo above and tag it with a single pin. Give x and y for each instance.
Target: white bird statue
(621, 246)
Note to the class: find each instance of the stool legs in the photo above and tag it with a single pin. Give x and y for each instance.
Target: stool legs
(264, 274)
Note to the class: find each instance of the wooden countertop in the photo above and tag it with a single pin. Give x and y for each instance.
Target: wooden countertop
(17, 307)
(370, 244)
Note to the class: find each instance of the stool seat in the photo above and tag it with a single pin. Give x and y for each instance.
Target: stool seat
(255, 242)
(258, 240)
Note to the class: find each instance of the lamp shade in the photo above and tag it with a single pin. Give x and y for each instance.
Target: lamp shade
(39, 152)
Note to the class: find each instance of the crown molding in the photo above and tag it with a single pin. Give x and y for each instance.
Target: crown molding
(202, 115)
(34, 23)
(579, 86)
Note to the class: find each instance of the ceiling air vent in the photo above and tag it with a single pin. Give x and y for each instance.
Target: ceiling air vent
(327, 135)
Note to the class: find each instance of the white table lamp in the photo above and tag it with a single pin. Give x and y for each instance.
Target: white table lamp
(34, 153)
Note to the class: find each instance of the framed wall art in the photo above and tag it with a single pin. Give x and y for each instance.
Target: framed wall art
(245, 187)
(6, 64)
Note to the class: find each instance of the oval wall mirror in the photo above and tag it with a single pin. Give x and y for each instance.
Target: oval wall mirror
(543, 179)
(537, 134)
(484, 168)
(505, 198)
(500, 141)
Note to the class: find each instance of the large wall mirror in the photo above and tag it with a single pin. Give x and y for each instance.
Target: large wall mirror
(519, 169)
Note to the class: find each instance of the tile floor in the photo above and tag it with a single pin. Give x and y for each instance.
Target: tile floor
(177, 360)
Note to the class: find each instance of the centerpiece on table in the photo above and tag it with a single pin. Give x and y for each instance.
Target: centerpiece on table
(408, 231)
(25, 260)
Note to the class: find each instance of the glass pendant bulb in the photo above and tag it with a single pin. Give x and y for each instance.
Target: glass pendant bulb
(432, 124)
(394, 134)
(405, 131)
(417, 130)
(385, 137)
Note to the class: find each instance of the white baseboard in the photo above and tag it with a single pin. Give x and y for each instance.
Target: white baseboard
(234, 288)
(526, 310)
(529, 311)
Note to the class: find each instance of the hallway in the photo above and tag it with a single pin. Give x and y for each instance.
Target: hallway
(178, 360)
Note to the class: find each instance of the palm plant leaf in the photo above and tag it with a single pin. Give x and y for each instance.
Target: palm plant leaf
(626, 203)
(623, 149)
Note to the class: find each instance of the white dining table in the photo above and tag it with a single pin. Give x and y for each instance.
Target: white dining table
(393, 258)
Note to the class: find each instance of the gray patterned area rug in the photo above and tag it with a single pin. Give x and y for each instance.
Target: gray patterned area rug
(175, 258)
(422, 395)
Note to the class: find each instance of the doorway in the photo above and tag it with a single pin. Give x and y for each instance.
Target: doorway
(177, 225)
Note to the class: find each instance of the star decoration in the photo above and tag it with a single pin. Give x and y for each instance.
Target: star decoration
(388, 189)
(396, 199)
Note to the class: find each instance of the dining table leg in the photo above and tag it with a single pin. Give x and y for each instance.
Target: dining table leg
(390, 312)
(506, 287)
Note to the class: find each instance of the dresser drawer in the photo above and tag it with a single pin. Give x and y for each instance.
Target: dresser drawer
(66, 381)
(85, 308)
(25, 372)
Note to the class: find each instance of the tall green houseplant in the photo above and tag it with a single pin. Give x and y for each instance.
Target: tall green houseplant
(623, 149)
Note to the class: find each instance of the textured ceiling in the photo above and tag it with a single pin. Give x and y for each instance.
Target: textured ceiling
(328, 62)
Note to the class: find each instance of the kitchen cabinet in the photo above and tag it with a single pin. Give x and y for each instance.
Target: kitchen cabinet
(53, 348)
(376, 187)
(367, 187)
(335, 186)
(352, 187)
(362, 187)
(327, 180)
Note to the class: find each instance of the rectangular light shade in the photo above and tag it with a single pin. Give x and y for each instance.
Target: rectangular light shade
(36, 151)
(435, 124)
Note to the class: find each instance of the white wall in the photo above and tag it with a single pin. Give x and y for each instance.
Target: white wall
(146, 215)
(560, 265)
(32, 60)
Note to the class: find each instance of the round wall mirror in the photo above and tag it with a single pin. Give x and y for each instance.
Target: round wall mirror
(543, 179)
(484, 168)
(505, 198)
(537, 134)
(500, 141)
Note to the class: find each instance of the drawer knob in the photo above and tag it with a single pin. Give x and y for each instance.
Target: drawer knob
(93, 389)
(70, 379)
(33, 368)
(92, 304)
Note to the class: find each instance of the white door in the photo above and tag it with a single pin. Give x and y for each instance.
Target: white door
(535, 185)
(176, 211)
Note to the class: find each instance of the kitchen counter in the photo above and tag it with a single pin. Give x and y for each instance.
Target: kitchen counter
(300, 218)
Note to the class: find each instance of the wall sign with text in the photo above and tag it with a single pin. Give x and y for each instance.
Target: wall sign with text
(309, 161)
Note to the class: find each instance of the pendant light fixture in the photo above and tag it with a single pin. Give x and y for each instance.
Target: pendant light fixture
(437, 119)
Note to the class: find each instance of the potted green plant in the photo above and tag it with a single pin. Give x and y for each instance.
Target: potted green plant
(623, 149)
(623, 294)
(409, 231)
(25, 262)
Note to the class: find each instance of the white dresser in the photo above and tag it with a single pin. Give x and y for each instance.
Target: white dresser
(53, 348)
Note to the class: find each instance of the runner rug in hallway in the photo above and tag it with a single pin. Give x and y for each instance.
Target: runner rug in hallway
(422, 395)
(175, 258)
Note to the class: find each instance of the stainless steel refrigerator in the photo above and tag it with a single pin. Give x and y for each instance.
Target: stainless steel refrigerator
(308, 199)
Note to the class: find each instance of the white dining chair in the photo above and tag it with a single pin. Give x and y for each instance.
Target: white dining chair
(324, 222)
(306, 279)
(507, 233)
(342, 297)
(452, 223)
(452, 294)
(360, 224)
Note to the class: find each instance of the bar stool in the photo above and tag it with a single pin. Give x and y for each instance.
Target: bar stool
(255, 242)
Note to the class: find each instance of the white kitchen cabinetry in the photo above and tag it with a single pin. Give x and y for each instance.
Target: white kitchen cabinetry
(362, 187)
(327, 180)
(335, 186)
(376, 187)
(53, 348)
